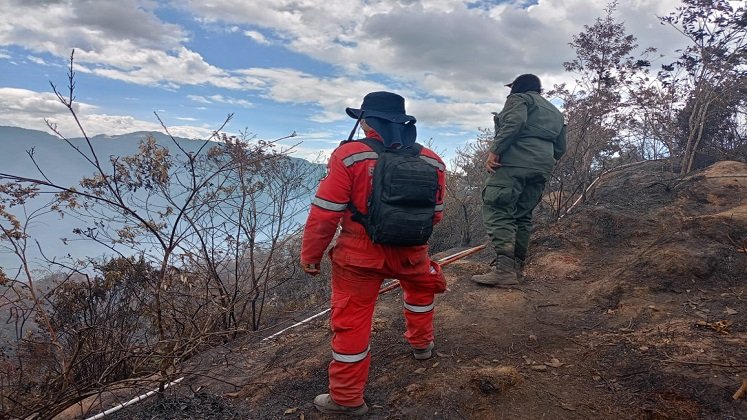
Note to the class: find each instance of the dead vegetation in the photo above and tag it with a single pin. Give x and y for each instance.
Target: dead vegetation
(646, 323)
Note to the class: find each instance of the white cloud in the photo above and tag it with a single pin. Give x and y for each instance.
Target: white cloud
(456, 49)
(231, 101)
(257, 37)
(152, 67)
(37, 60)
(122, 40)
(428, 49)
(29, 109)
(191, 132)
(198, 98)
(442, 47)
(56, 26)
(333, 95)
(221, 100)
(449, 58)
(468, 115)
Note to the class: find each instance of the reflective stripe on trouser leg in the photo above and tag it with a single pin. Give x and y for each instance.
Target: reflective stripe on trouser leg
(419, 309)
(419, 302)
(350, 358)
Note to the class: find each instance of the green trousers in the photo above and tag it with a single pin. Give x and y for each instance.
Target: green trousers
(509, 197)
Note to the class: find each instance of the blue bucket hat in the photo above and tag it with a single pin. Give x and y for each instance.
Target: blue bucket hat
(385, 113)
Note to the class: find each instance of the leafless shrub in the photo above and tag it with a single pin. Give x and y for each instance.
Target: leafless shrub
(201, 235)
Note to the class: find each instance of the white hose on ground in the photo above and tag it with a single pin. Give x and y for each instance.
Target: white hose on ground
(132, 401)
(296, 324)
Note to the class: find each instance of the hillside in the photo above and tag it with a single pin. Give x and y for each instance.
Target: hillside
(66, 167)
(634, 306)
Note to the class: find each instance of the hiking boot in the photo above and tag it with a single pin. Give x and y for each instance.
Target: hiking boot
(503, 273)
(423, 354)
(325, 404)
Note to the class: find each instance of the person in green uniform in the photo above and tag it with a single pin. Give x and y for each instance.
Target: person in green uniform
(529, 139)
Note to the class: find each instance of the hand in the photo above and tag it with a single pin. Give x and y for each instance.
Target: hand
(493, 162)
(311, 269)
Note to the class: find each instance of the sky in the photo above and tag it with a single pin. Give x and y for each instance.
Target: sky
(290, 66)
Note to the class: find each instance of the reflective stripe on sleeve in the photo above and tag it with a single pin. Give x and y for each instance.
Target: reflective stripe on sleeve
(433, 162)
(419, 309)
(329, 205)
(350, 358)
(357, 157)
(439, 207)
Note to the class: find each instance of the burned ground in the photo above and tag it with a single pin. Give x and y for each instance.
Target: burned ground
(634, 306)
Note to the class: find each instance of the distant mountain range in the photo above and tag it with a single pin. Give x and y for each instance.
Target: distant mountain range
(66, 167)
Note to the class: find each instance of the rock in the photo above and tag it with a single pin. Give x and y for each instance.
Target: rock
(554, 363)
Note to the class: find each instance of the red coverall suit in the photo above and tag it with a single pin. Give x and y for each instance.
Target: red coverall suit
(359, 266)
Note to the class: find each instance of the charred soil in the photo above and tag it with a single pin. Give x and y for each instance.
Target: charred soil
(634, 306)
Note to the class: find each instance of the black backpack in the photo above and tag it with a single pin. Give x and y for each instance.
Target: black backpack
(403, 200)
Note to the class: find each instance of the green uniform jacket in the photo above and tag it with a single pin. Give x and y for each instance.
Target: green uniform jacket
(529, 132)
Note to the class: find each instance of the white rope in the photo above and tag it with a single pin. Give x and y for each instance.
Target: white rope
(307, 320)
(297, 324)
(132, 401)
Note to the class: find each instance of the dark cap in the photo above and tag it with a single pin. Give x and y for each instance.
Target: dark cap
(525, 83)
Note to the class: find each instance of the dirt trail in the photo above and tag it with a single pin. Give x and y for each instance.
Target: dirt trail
(635, 306)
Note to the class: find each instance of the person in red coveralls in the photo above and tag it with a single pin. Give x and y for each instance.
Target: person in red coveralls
(358, 265)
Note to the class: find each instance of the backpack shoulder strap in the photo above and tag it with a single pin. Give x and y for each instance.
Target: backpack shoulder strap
(374, 144)
(417, 148)
(379, 148)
